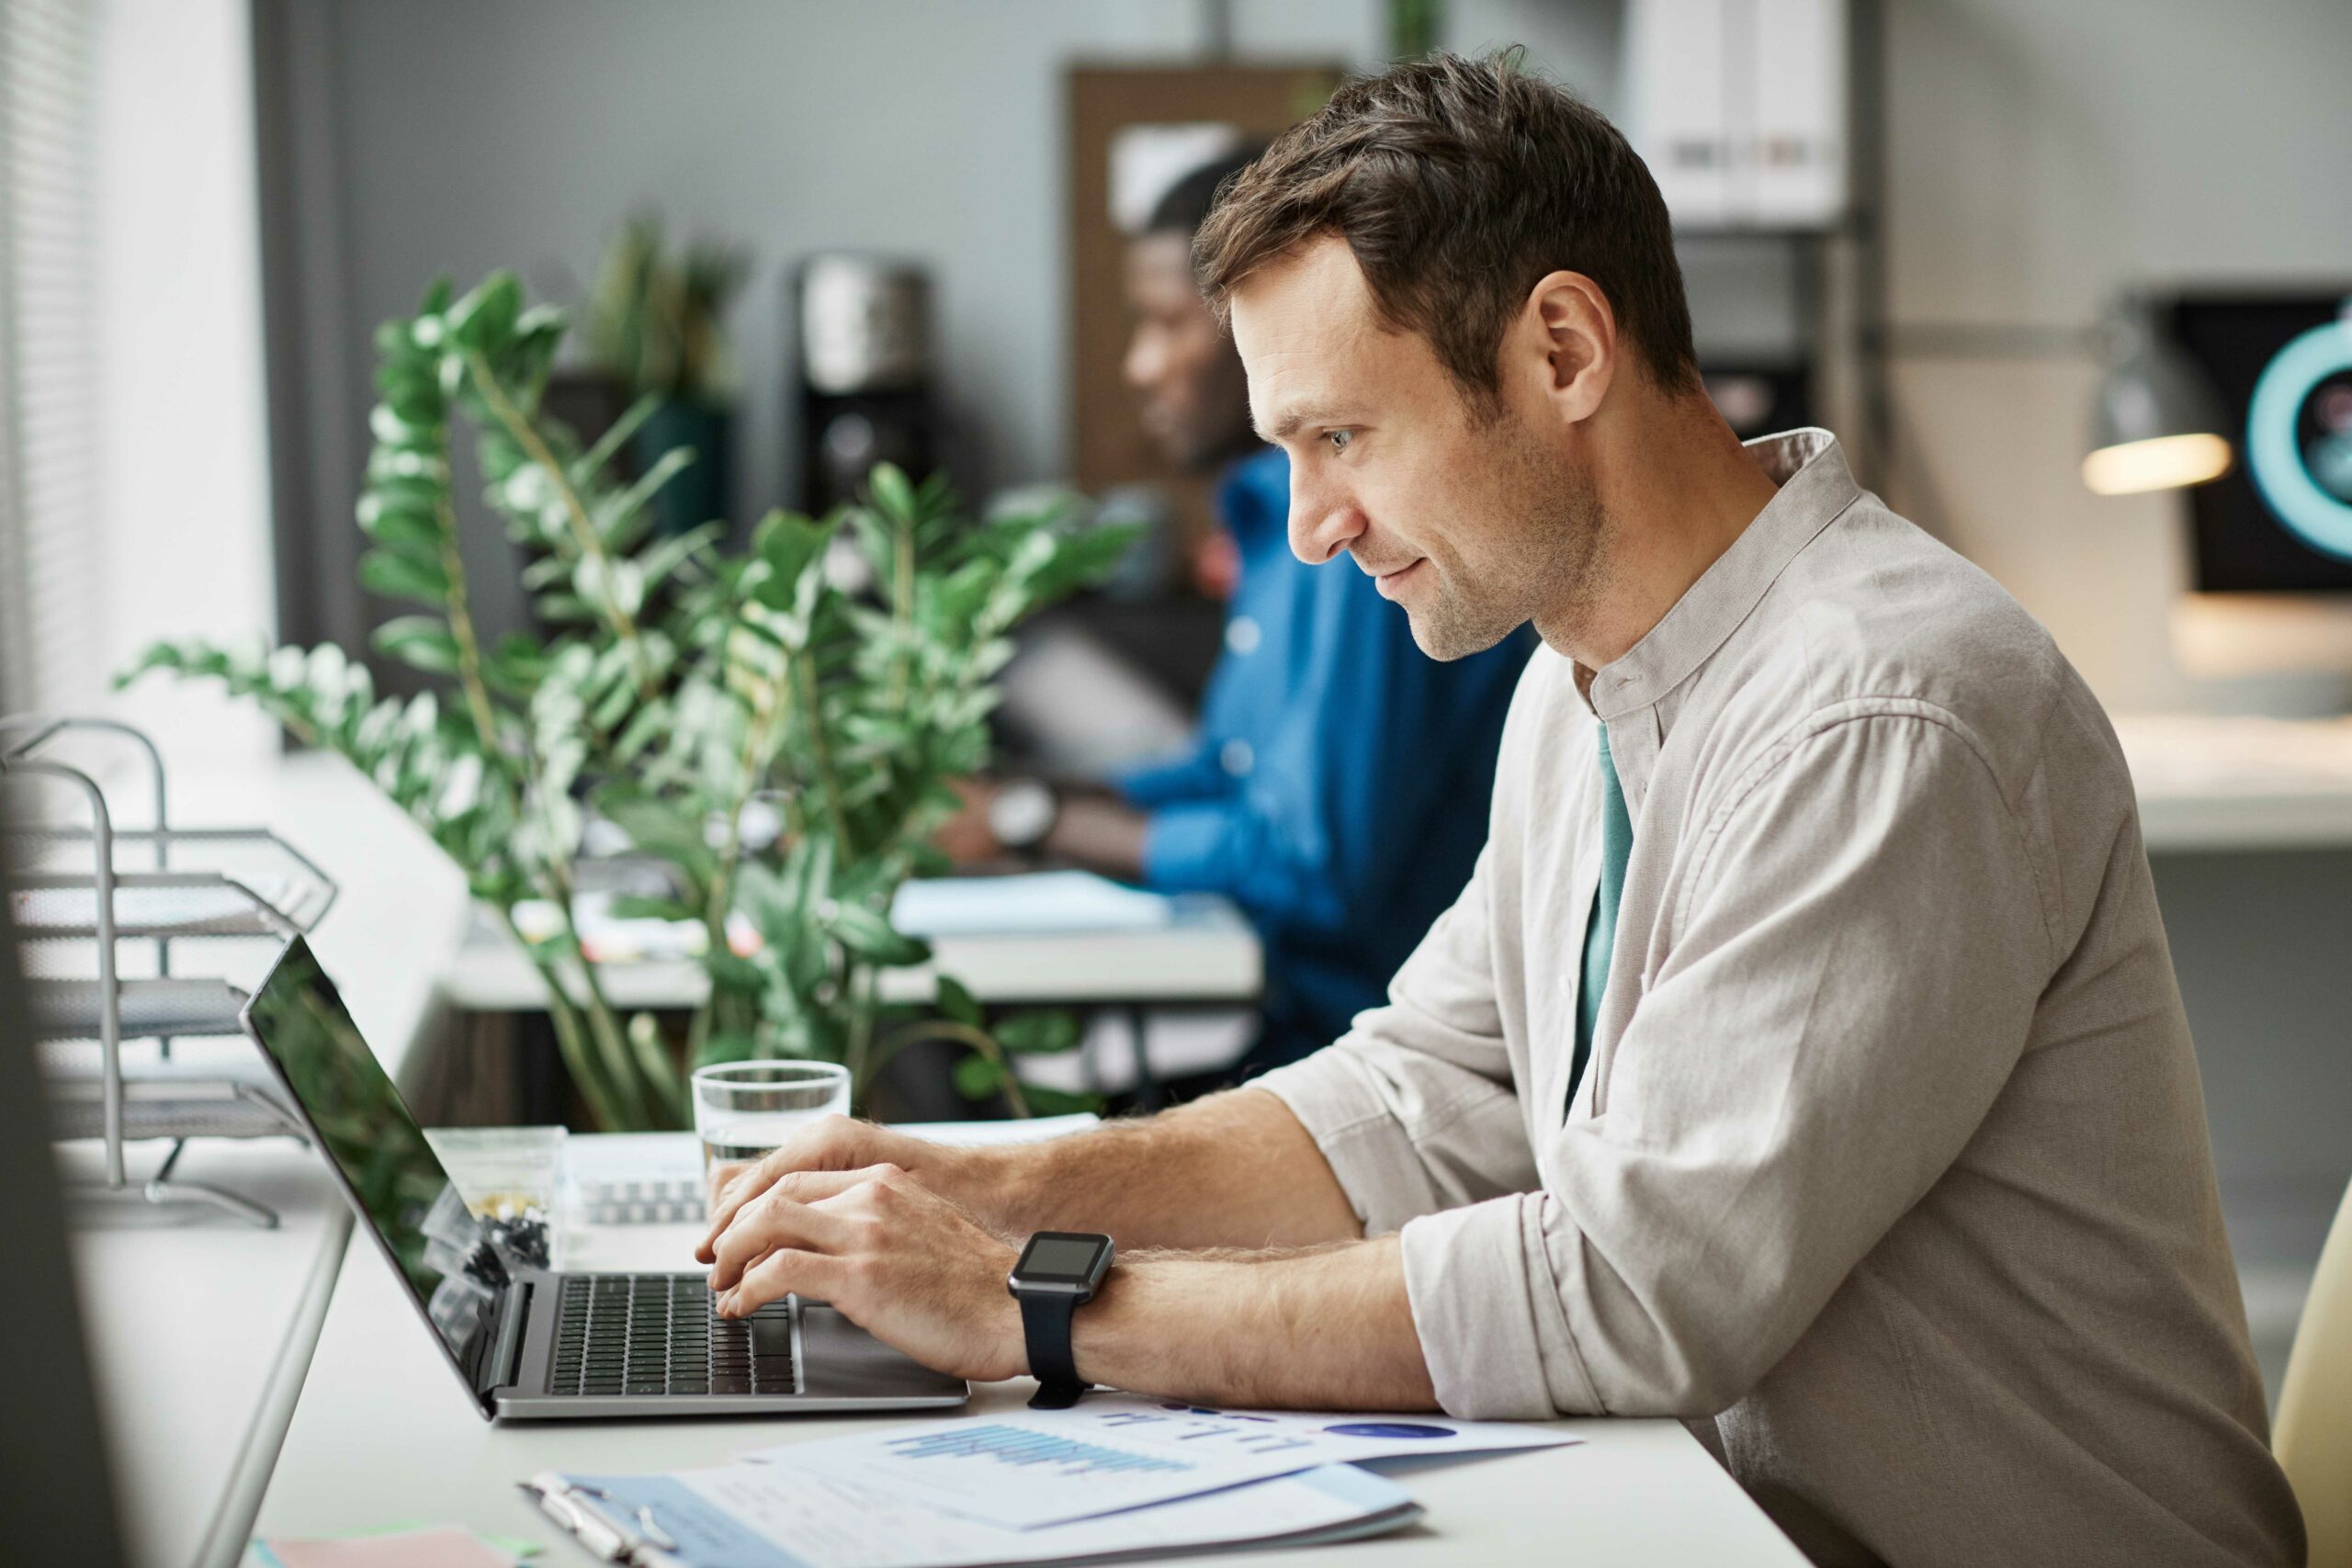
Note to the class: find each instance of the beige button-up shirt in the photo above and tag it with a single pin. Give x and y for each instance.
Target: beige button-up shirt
(1890, 1172)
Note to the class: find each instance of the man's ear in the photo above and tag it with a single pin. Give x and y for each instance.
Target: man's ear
(1566, 336)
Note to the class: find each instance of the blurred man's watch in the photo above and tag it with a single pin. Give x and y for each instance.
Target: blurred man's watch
(1021, 813)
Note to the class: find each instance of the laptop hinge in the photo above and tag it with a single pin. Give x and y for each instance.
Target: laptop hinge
(504, 1362)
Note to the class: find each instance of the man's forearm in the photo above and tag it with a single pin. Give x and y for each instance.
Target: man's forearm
(1236, 1170)
(1101, 833)
(1327, 1328)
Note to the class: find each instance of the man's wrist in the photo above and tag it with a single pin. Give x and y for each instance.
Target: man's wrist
(986, 1183)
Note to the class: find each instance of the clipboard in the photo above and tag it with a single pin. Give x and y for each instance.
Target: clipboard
(606, 1526)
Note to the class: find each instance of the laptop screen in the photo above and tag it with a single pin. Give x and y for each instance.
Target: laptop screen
(393, 1178)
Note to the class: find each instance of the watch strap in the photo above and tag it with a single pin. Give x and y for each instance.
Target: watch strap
(1045, 1326)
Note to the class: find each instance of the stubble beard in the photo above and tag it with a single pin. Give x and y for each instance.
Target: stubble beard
(1538, 559)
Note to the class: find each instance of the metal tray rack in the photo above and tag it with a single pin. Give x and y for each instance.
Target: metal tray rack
(92, 902)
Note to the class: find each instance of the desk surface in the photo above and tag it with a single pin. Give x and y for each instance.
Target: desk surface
(385, 1435)
(191, 1320)
(2207, 782)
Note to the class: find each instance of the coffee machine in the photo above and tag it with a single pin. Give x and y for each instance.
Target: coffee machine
(865, 373)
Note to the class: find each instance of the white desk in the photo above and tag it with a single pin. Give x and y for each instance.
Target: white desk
(2209, 783)
(386, 1434)
(1207, 953)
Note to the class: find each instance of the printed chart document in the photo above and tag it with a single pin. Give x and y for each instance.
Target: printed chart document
(1115, 1451)
(765, 1515)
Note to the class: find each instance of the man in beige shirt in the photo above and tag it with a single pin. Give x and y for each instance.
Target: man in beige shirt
(1803, 1059)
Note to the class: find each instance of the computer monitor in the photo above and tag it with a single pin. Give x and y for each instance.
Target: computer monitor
(451, 1263)
(2280, 364)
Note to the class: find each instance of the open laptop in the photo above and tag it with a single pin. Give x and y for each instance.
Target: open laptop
(530, 1343)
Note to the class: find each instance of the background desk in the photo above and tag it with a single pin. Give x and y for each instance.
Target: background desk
(1206, 953)
(385, 1435)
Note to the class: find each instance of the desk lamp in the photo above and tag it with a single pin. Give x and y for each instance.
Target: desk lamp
(2155, 425)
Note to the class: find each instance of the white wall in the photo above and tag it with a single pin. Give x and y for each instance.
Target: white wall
(183, 504)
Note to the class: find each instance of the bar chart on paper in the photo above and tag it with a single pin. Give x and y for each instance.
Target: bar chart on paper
(1012, 1445)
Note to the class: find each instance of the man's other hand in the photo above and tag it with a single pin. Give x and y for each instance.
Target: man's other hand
(966, 837)
(896, 1259)
(829, 1144)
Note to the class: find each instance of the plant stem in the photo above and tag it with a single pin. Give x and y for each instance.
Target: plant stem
(902, 609)
(820, 759)
(630, 1090)
(566, 1019)
(980, 1039)
(591, 543)
(460, 614)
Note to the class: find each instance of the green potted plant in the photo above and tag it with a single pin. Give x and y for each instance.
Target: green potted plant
(654, 326)
(679, 682)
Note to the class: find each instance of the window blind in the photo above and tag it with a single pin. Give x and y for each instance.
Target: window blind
(50, 603)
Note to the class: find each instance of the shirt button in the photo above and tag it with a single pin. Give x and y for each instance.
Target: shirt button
(1242, 634)
(1236, 758)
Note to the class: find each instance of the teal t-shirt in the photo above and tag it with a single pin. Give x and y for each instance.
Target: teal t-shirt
(1601, 933)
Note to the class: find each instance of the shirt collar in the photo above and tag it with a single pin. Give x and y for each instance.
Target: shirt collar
(1815, 486)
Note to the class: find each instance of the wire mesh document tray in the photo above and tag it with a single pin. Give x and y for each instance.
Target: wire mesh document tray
(90, 902)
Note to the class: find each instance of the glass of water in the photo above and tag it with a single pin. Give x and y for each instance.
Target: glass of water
(745, 1110)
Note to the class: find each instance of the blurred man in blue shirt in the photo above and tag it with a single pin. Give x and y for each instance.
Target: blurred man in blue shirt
(1338, 788)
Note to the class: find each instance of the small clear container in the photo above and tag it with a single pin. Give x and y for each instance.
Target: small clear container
(511, 1179)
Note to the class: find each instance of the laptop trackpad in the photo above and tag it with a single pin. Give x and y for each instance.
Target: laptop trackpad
(839, 1360)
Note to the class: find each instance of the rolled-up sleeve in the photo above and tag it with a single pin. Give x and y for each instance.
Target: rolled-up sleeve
(1414, 1107)
(1862, 938)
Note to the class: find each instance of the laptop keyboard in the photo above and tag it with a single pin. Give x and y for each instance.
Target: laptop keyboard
(624, 1333)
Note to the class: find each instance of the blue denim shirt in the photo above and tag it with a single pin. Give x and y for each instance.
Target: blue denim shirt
(1337, 790)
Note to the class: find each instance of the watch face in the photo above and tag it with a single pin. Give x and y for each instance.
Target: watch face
(1060, 1258)
(1022, 814)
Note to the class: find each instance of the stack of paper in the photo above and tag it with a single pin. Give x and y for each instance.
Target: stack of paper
(1118, 1475)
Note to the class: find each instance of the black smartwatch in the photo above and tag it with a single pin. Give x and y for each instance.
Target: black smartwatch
(1058, 1272)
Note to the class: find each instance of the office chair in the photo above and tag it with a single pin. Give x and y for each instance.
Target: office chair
(56, 1497)
(2312, 1436)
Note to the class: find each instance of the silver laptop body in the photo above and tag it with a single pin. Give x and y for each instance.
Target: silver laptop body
(531, 1343)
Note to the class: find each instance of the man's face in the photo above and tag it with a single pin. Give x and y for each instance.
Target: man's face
(1472, 517)
(1195, 399)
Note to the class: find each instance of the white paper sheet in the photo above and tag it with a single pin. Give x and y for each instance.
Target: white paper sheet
(761, 1516)
(1043, 903)
(1114, 1452)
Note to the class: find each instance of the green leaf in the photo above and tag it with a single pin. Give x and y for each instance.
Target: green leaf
(484, 320)
(1033, 1032)
(516, 666)
(721, 1048)
(592, 462)
(642, 906)
(418, 641)
(789, 545)
(870, 935)
(979, 1077)
(893, 496)
(660, 830)
(397, 525)
(397, 577)
(955, 1003)
(1044, 1101)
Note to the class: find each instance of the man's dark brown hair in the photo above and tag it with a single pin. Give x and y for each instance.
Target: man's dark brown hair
(1458, 183)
